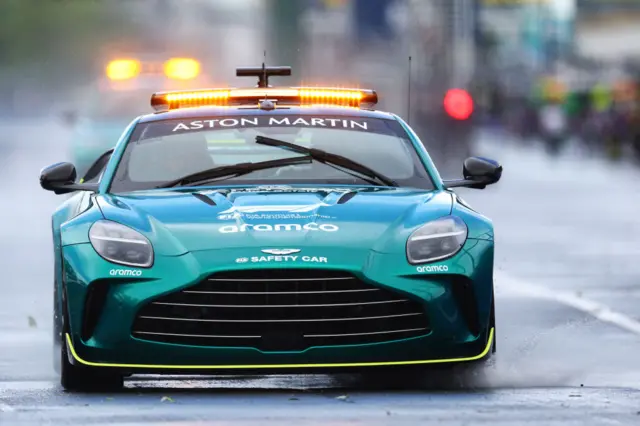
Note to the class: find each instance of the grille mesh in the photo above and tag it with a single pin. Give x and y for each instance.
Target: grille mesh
(280, 310)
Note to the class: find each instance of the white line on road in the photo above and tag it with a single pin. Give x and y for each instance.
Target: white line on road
(508, 284)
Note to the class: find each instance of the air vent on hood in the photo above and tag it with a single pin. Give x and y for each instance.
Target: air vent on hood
(346, 197)
(204, 198)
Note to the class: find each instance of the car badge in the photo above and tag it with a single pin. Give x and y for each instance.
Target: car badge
(280, 252)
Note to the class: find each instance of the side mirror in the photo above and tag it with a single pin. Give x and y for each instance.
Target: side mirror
(61, 179)
(478, 172)
(482, 169)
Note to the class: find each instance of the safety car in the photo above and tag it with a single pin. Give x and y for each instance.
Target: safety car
(267, 230)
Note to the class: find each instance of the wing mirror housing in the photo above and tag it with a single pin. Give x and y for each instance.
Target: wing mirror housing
(478, 172)
(61, 179)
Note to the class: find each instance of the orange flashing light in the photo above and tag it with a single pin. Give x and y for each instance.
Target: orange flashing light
(197, 96)
(283, 96)
(123, 69)
(176, 100)
(182, 68)
(332, 97)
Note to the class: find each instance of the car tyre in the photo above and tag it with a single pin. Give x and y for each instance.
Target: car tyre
(82, 378)
(492, 324)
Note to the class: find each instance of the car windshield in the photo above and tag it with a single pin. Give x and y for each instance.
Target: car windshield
(162, 151)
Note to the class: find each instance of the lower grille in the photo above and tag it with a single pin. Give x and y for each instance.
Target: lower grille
(281, 310)
(465, 297)
(93, 306)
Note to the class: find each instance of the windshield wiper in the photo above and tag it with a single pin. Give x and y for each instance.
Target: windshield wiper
(233, 170)
(331, 160)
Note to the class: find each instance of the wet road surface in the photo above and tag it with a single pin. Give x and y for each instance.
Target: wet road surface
(568, 312)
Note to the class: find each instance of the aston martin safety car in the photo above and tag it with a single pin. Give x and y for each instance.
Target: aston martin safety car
(268, 230)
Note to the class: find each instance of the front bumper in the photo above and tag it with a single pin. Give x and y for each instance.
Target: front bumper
(459, 330)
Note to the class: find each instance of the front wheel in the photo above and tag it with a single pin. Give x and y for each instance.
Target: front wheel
(83, 378)
(80, 377)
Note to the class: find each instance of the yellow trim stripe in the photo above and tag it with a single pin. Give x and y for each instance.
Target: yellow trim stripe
(231, 367)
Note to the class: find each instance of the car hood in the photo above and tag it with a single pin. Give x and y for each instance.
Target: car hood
(178, 221)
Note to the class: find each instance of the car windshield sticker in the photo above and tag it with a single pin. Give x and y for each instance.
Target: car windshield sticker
(341, 123)
(238, 124)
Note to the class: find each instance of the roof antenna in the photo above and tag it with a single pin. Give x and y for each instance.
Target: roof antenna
(409, 94)
(263, 81)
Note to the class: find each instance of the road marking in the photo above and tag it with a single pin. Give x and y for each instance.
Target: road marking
(506, 283)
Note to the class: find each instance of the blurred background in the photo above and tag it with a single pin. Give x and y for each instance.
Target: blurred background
(557, 72)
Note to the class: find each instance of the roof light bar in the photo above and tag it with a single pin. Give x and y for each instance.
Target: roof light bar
(358, 98)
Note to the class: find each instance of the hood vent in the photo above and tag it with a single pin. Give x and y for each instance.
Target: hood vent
(346, 197)
(204, 198)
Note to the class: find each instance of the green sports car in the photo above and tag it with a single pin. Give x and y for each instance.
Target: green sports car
(267, 230)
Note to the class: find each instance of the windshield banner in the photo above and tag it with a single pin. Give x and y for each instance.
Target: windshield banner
(190, 125)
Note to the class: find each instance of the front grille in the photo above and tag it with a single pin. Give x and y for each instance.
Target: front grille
(281, 310)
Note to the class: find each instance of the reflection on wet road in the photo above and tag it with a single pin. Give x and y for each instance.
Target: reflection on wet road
(566, 284)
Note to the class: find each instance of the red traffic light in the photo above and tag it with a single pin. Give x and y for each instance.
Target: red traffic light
(458, 104)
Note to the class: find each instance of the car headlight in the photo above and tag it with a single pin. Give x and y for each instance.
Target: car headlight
(120, 244)
(436, 240)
